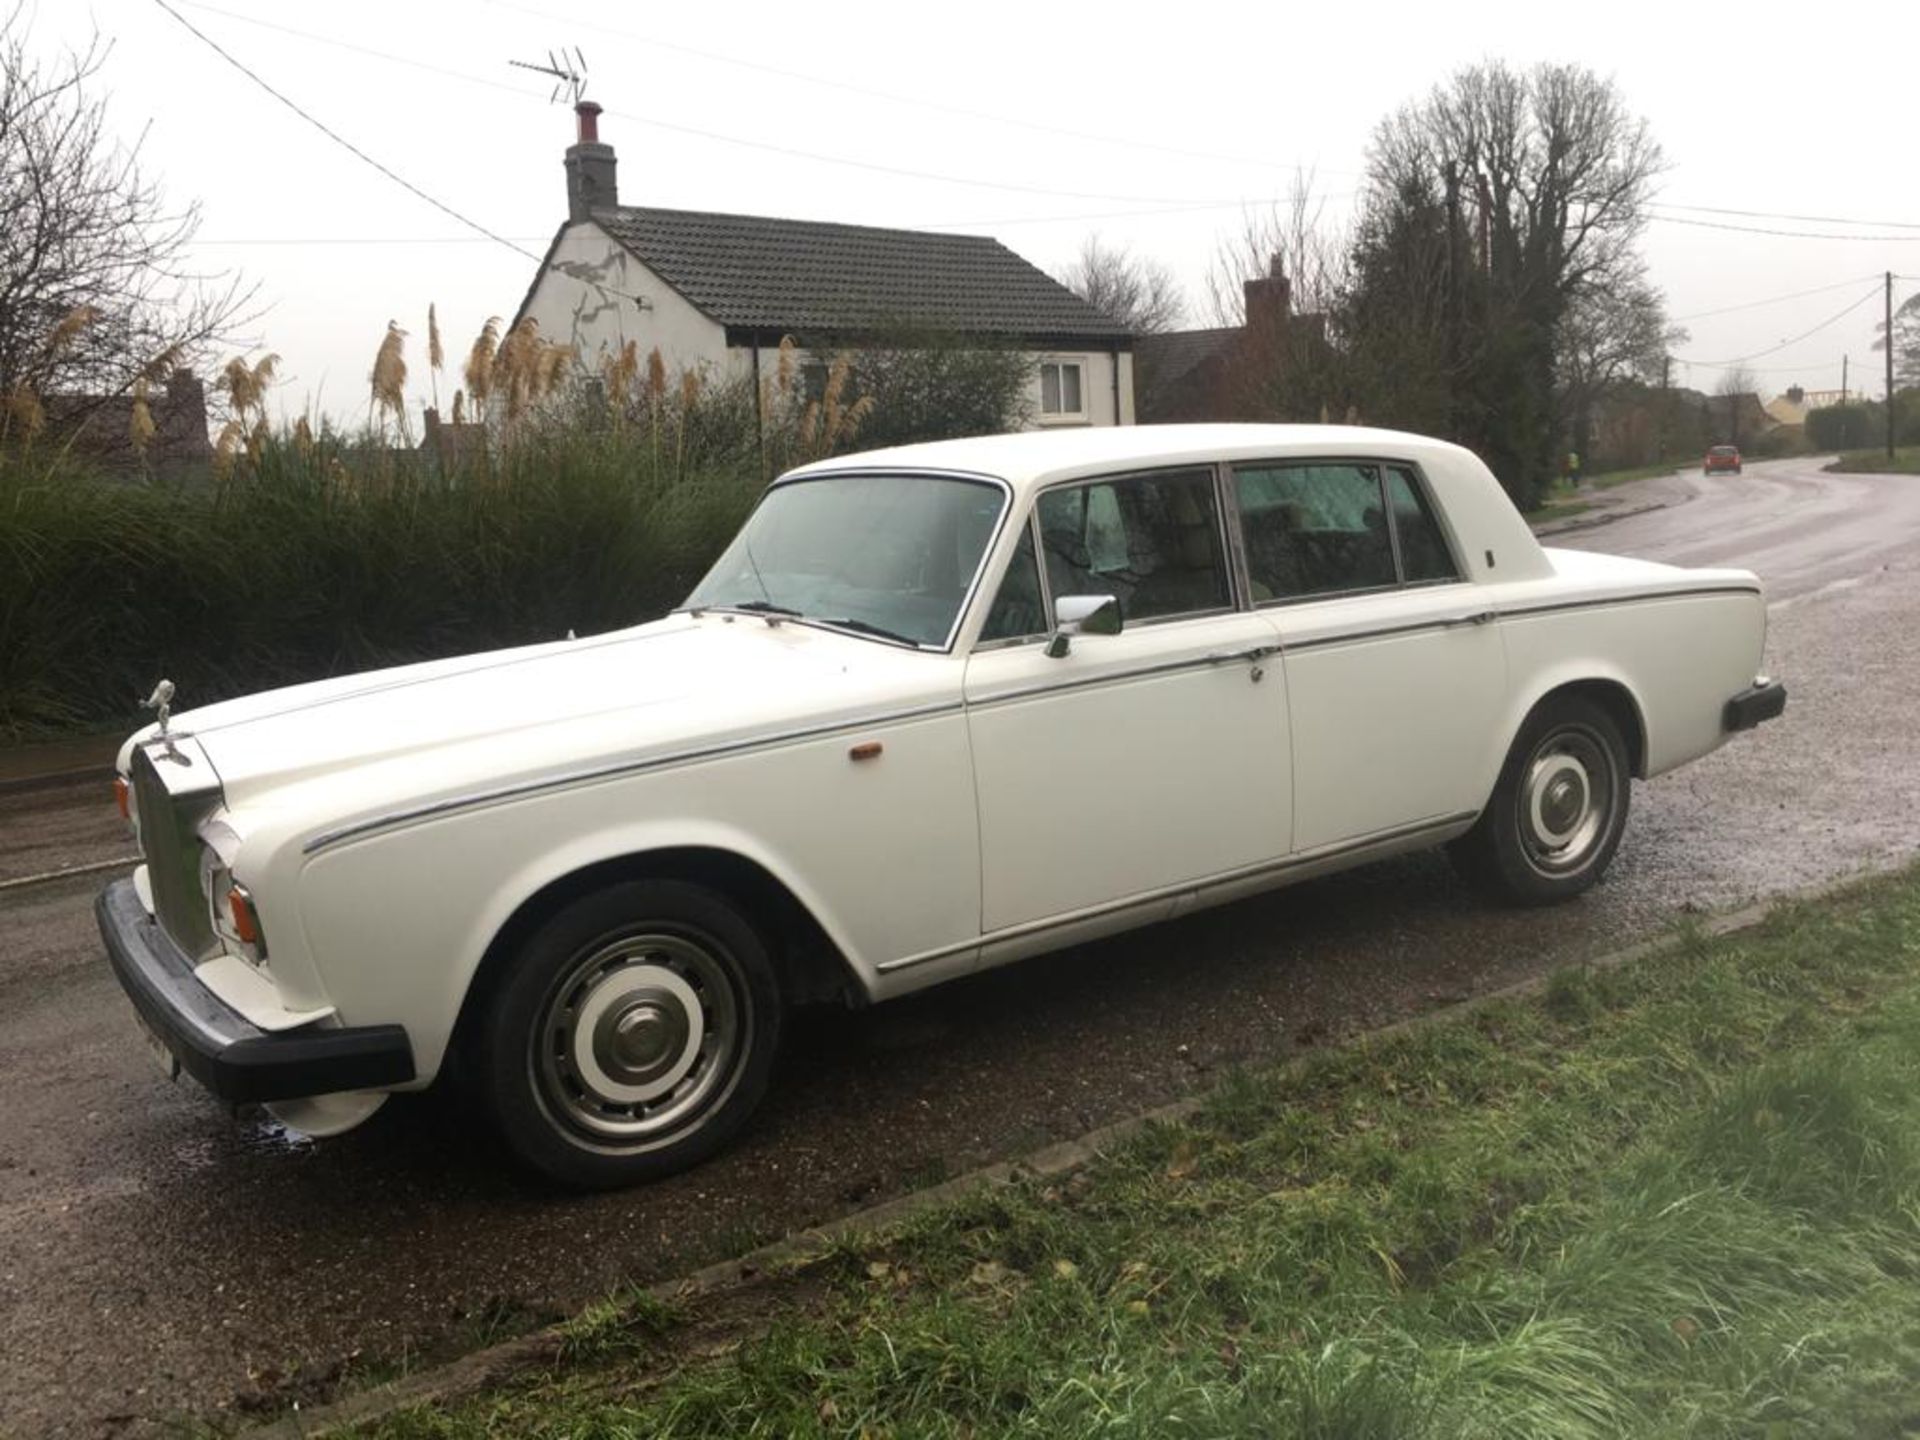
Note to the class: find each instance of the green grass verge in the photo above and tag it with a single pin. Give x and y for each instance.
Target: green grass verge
(1905, 461)
(1559, 510)
(1626, 477)
(1677, 1198)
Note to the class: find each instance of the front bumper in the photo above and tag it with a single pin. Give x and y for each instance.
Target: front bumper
(1761, 701)
(232, 1057)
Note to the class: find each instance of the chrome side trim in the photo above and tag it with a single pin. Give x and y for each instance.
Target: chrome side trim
(1088, 682)
(1489, 615)
(1323, 642)
(1303, 859)
(587, 775)
(1598, 601)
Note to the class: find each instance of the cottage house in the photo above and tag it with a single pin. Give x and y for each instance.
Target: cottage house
(721, 291)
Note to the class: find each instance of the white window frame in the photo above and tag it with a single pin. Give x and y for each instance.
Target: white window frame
(1063, 363)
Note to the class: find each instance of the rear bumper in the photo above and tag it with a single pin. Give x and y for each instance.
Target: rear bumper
(1761, 701)
(228, 1054)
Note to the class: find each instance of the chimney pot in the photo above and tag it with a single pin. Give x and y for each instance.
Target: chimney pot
(590, 168)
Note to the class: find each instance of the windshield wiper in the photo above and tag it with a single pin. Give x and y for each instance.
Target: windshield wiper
(863, 627)
(756, 607)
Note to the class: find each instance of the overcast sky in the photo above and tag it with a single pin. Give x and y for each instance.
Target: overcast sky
(1154, 125)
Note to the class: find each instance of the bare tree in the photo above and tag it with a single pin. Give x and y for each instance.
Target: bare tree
(96, 289)
(1311, 249)
(1140, 293)
(1610, 334)
(1736, 384)
(1906, 341)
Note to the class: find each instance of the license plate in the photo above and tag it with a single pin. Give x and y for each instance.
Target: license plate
(162, 1056)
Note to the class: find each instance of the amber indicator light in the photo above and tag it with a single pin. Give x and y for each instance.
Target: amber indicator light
(866, 750)
(120, 797)
(241, 908)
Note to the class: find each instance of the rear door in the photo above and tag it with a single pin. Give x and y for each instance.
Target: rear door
(1396, 671)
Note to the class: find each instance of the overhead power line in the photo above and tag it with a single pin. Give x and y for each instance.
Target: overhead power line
(893, 97)
(341, 140)
(1786, 215)
(790, 152)
(1834, 319)
(1773, 299)
(1660, 219)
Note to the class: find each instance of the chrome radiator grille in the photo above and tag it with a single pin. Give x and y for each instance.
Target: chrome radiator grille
(167, 825)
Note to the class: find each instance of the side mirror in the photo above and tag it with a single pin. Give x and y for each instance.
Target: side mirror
(1082, 615)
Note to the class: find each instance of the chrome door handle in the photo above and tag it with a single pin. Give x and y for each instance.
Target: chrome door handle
(1482, 617)
(1253, 656)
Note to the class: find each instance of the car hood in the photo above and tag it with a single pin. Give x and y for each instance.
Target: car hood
(509, 713)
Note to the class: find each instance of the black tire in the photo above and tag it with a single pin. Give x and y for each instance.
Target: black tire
(1557, 811)
(632, 1035)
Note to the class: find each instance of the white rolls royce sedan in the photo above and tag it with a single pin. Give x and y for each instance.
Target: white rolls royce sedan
(934, 709)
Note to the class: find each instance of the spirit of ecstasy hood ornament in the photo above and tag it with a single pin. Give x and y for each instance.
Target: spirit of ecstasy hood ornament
(161, 703)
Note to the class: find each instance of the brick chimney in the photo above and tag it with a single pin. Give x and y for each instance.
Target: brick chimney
(590, 182)
(1270, 296)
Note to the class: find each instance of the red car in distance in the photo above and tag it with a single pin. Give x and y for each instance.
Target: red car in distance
(1723, 458)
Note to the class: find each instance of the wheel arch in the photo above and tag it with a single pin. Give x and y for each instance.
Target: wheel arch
(1612, 694)
(812, 967)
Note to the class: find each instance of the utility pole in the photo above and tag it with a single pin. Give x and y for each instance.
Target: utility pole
(1843, 378)
(1660, 419)
(1889, 366)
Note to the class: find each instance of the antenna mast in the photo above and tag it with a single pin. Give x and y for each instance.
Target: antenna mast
(568, 72)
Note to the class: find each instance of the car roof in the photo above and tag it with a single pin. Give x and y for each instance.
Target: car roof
(1032, 458)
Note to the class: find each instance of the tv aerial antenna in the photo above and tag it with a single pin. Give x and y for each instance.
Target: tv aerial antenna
(568, 72)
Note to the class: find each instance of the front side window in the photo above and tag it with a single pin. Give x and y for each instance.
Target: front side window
(892, 556)
(1151, 540)
(1018, 610)
(1061, 391)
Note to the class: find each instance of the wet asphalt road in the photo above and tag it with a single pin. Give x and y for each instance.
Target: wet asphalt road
(158, 1258)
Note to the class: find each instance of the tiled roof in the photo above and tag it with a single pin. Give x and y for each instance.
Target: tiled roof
(1172, 354)
(805, 277)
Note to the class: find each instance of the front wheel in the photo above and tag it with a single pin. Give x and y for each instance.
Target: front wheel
(1558, 809)
(633, 1035)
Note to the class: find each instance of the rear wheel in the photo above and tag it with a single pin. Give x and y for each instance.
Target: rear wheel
(633, 1035)
(1558, 810)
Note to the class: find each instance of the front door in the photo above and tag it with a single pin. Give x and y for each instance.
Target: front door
(1136, 762)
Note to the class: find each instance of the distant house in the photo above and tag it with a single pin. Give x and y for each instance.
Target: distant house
(721, 291)
(1199, 375)
(1790, 407)
(97, 430)
(451, 442)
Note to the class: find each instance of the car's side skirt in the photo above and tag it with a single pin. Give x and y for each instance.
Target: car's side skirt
(897, 977)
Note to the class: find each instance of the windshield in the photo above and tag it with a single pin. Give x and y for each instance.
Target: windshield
(886, 555)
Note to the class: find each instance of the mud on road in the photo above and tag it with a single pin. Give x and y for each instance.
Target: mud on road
(159, 1258)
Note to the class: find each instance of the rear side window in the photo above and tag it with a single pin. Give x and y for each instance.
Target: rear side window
(1152, 540)
(1331, 528)
(1314, 529)
(1423, 549)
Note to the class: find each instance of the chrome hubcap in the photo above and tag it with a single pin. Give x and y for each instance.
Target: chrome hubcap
(641, 1035)
(1566, 801)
